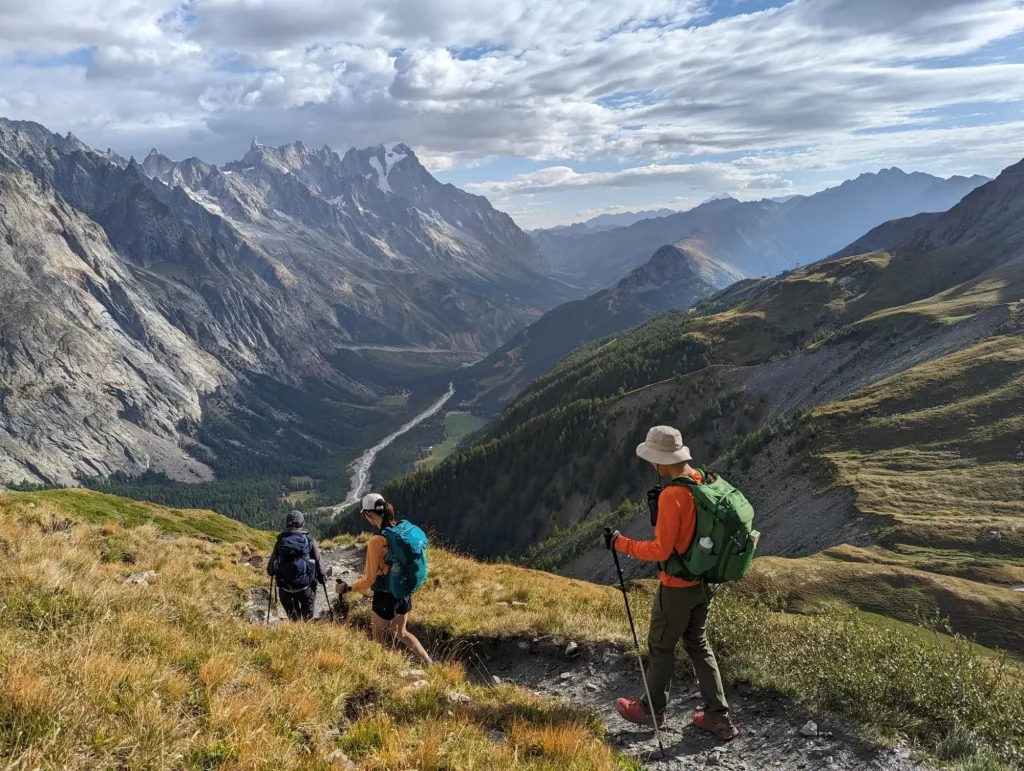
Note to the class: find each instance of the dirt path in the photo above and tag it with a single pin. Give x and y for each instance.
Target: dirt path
(595, 675)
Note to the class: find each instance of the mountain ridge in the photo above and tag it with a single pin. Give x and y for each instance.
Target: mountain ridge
(676, 276)
(268, 280)
(766, 236)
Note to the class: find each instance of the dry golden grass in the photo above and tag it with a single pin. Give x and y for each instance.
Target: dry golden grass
(464, 600)
(97, 673)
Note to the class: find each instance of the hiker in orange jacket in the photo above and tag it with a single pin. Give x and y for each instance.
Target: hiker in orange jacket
(681, 607)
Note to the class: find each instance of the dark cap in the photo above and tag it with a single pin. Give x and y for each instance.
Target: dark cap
(295, 519)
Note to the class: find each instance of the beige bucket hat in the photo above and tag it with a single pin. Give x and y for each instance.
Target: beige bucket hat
(664, 445)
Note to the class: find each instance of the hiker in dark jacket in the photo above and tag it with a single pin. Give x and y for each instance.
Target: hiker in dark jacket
(296, 566)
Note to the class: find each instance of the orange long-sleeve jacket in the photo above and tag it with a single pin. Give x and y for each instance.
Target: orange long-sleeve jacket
(677, 524)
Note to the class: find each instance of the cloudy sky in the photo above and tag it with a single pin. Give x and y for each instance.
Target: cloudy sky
(555, 109)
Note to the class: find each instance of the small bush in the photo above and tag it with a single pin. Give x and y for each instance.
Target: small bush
(944, 696)
(212, 757)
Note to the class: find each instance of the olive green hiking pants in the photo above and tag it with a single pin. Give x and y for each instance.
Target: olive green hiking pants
(682, 613)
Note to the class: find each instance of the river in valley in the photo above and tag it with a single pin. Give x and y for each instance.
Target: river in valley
(361, 468)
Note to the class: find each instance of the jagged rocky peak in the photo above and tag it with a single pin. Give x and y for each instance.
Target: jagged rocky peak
(157, 165)
(378, 162)
(292, 157)
(190, 173)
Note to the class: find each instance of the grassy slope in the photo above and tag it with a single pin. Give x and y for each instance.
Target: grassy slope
(98, 673)
(932, 454)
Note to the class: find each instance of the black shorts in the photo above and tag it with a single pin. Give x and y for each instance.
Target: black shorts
(387, 606)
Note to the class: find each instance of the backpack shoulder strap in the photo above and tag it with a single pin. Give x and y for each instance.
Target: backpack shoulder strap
(687, 481)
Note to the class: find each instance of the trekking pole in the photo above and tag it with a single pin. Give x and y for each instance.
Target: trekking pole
(270, 599)
(328, 598)
(636, 642)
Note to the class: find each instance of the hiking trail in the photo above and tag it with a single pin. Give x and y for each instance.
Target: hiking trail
(597, 674)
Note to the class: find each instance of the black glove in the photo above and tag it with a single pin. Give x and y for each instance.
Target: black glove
(341, 587)
(609, 539)
(652, 503)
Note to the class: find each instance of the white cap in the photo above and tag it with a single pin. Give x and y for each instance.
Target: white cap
(371, 501)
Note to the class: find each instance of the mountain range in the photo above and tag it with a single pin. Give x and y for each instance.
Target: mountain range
(177, 316)
(249, 319)
(760, 238)
(608, 221)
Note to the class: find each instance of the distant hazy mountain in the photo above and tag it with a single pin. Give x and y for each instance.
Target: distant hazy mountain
(763, 237)
(676, 276)
(135, 295)
(608, 221)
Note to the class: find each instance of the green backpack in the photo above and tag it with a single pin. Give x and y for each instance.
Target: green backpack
(725, 516)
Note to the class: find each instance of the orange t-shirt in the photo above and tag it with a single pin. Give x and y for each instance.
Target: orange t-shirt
(677, 524)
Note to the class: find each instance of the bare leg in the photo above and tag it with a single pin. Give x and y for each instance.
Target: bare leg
(409, 640)
(380, 628)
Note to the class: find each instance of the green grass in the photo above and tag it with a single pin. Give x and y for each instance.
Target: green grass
(97, 508)
(884, 676)
(457, 426)
(394, 401)
(296, 498)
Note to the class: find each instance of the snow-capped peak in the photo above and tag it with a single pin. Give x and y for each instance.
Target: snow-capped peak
(391, 158)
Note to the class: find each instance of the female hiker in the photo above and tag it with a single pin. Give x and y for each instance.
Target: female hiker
(397, 546)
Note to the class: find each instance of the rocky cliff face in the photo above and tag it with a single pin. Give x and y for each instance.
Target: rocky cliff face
(208, 278)
(93, 379)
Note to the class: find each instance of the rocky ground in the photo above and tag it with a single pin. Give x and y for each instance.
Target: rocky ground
(775, 734)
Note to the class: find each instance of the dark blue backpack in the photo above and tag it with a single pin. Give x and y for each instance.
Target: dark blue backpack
(295, 567)
(406, 559)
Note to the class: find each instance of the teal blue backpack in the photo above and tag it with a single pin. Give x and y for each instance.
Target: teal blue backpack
(406, 560)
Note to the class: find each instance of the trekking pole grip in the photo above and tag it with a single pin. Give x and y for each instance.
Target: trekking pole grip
(615, 556)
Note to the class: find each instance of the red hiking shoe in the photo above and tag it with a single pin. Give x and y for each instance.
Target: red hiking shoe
(634, 711)
(722, 729)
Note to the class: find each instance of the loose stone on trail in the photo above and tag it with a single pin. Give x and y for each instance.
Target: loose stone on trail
(809, 730)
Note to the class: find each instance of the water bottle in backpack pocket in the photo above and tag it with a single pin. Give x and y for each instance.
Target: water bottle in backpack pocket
(295, 568)
(406, 558)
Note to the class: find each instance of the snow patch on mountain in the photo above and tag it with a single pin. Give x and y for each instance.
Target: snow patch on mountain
(391, 158)
(382, 177)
